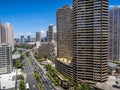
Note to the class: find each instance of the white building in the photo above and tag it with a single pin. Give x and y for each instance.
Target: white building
(8, 81)
(5, 58)
(38, 44)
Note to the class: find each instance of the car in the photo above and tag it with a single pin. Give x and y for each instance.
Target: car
(116, 86)
(33, 86)
(50, 86)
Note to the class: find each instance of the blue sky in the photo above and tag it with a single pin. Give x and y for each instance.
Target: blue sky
(30, 16)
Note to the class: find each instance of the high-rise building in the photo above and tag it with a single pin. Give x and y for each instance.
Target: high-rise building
(9, 34)
(55, 36)
(50, 33)
(6, 34)
(22, 39)
(64, 32)
(53, 49)
(2, 34)
(114, 33)
(5, 58)
(38, 36)
(33, 39)
(90, 41)
(47, 36)
(28, 39)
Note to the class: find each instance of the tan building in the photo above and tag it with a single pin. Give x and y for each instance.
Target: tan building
(2, 34)
(6, 34)
(38, 36)
(90, 41)
(9, 34)
(65, 67)
(64, 32)
(44, 48)
(114, 33)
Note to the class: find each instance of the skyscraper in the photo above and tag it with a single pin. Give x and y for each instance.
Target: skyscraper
(5, 58)
(28, 38)
(22, 39)
(6, 34)
(114, 33)
(50, 33)
(55, 36)
(64, 32)
(2, 34)
(47, 36)
(38, 36)
(90, 40)
(9, 34)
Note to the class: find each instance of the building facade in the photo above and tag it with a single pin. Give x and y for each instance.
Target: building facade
(55, 36)
(90, 41)
(22, 39)
(6, 34)
(50, 33)
(2, 34)
(44, 48)
(38, 36)
(64, 32)
(28, 38)
(47, 36)
(114, 33)
(5, 58)
(9, 34)
(53, 49)
(65, 68)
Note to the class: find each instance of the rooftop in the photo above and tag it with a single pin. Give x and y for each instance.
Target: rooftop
(8, 80)
(65, 60)
(110, 64)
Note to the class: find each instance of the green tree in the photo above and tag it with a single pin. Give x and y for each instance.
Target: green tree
(22, 85)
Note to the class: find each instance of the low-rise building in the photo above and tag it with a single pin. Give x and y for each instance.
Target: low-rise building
(64, 66)
(44, 48)
(8, 81)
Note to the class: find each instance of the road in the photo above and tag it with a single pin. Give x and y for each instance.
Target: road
(30, 75)
(46, 82)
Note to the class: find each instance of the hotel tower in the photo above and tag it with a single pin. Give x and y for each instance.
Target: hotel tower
(90, 40)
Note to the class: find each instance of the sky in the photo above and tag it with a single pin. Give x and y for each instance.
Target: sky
(30, 16)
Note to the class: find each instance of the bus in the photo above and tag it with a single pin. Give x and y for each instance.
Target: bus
(27, 86)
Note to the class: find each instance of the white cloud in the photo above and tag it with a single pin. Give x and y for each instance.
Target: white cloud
(28, 33)
(111, 6)
(43, 32)
(17, 35)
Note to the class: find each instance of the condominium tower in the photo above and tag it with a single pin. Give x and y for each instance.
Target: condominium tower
(50, 33)
(90, 40)
(9, 34)
(38, 36)
(5, 58)
(6, 34)
(2, 34)
(114, 33)
(64, 32)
